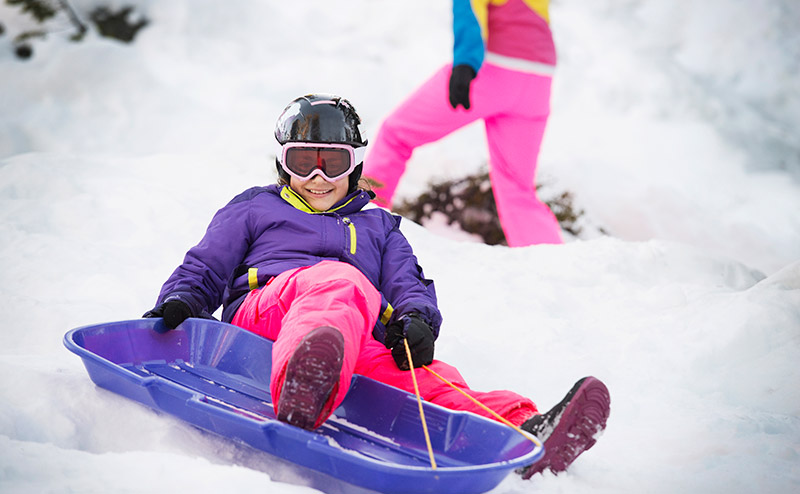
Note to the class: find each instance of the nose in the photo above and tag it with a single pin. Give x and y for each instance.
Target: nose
(318, 179)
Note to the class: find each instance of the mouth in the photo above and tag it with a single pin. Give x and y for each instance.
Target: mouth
(319, 192)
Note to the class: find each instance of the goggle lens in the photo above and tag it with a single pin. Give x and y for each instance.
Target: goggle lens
(333, 162)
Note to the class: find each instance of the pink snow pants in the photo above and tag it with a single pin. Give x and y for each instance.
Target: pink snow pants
(514, 107)
(337, 294)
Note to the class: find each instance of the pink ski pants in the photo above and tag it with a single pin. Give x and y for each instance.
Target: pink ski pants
(337, 294)
(514, 107)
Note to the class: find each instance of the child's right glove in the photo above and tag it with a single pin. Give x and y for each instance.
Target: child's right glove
(174, 312)
(420, 341)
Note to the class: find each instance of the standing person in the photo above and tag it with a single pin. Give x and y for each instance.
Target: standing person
(338, 289)
(503, 62)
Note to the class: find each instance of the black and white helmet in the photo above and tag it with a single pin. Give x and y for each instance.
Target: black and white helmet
(321, 118)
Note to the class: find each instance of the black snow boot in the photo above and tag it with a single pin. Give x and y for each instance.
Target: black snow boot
(570, 427)
(311, 378)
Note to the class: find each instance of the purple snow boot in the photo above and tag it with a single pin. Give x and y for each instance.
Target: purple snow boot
(570, 427)
(311, 378)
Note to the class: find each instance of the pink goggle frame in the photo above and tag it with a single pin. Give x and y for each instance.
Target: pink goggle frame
(303, 160)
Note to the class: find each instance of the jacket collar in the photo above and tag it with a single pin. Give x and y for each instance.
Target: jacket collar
(352, 203)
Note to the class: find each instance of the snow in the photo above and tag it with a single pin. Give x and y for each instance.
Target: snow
(674, 125)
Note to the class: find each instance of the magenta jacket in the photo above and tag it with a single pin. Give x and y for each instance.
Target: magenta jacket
(514, 34)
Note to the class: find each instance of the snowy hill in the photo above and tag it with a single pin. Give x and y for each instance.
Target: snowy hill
(673, 125)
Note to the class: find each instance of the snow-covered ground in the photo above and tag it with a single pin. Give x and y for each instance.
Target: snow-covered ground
(674, 125)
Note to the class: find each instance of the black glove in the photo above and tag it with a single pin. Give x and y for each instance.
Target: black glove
(173, 311)
(460, 79)
(420, 341)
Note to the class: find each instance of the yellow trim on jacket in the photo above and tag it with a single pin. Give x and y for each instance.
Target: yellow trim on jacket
(289, 195)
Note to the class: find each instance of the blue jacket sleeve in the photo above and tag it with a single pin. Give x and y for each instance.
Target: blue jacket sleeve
(201, 279)
(404, 284)
(468, 46)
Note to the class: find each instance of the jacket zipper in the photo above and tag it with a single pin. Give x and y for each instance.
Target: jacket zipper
(352, 228)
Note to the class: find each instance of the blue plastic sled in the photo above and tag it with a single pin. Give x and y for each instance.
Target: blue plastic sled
(216, 377)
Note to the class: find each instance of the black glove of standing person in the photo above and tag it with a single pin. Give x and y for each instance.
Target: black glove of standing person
(173, 311)
(420, 341)
(460, 79)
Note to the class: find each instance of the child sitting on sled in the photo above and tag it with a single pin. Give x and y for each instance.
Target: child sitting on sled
(338, 289)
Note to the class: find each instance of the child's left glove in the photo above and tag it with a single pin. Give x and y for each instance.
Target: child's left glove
(420, 341)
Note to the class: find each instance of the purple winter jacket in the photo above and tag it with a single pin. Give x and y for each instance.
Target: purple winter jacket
(265, 231)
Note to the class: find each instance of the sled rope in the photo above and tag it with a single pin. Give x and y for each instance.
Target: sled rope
(419, 402)
(496, 415)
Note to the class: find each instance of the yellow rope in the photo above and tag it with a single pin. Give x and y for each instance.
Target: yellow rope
(419, 401)
(499, 417)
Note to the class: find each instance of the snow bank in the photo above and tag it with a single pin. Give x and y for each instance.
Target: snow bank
(114, 157)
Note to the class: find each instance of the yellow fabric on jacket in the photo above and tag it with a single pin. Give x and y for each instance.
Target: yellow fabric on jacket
(481, 7)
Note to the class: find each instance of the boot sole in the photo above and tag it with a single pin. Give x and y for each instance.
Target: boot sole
(311, 376)
(582, 419)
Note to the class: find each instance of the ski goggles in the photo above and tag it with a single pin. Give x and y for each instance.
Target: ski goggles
(303, 160)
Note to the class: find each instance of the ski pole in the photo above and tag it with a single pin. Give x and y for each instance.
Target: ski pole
(496, 415)
(419, 402)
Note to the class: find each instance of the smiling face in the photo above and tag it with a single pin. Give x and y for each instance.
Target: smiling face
(319, 193)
